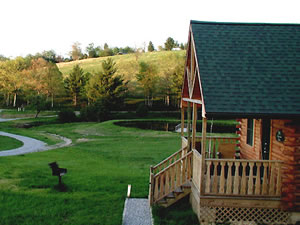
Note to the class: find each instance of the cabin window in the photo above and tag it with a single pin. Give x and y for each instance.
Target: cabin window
(250, 123)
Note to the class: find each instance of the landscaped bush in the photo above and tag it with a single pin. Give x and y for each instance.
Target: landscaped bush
(67, 116)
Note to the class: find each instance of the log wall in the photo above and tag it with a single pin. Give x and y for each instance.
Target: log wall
(288, 151)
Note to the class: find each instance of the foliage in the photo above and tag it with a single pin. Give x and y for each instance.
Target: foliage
(67, 116)
(99, 111)
(106, 85)
(76, 52)
(150, 47)
(91, 51)
(147, 78)
(142, 110)
(170, 44)
(39, 103)
(75, 83)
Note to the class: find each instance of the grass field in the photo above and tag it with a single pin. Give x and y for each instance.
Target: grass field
(128, 65)
(7, 143)
(102, 161)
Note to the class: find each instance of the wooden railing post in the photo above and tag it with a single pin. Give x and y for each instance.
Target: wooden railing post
(182, 121)
(194, 125)
(203, 150)
(189, 126)
(151, 185)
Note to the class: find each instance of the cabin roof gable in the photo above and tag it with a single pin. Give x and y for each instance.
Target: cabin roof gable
(248, 68)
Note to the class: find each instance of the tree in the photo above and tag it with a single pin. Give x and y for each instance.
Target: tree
(150, 47)
(147, 78)
(170, 44)
(76, 52)
(49, 56)
(91, 51)
(75, 83)
(12, 78)
(106, 86)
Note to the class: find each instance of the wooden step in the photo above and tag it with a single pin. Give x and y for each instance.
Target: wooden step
(171, 195)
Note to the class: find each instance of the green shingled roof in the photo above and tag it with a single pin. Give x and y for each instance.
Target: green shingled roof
(251, 69)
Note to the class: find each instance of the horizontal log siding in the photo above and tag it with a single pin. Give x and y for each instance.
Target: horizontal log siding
(289, 152)
(247, 151)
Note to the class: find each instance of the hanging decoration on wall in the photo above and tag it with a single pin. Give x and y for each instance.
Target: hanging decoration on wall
(279, 136)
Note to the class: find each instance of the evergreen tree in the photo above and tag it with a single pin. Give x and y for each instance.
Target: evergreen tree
(170, 44)
(106, 86)
(150, 47)
(75, 83)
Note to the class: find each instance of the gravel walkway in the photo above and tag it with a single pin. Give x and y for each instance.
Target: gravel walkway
(137, 212)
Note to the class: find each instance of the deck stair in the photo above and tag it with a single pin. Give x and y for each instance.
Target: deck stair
(170, 180)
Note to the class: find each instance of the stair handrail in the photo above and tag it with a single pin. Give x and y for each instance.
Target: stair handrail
(180, 151)
(189, 153)
(153, 178)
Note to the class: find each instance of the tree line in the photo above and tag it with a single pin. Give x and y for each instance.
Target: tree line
(38, 83)
(92, 51)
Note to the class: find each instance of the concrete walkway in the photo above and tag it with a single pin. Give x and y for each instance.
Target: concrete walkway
(137, 212)
(30, 144)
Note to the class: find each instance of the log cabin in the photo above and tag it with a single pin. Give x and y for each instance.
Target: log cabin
(251, 73)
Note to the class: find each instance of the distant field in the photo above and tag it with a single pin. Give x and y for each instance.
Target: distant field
(128, 64)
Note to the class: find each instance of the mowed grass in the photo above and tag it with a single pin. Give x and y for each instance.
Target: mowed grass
(128, 65)
(7, 143)
(102, 161)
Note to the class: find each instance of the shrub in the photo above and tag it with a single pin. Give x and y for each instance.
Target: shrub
(142, 110)
(96, 112)
(67, 116)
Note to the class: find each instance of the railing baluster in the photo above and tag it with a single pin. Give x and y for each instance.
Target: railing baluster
(229, 179)
(156, 192)
(178, 173)
(278, 185)
(258, 179)
(215, 177)
(250, 182)
(244, 177)
(236, 178)
(272, 180)
(265, 184)
(183, 170)
(167, 182)
(222, 178)
(161, 191)
(207, 187)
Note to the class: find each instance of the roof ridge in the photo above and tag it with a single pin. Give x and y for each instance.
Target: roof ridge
(243, 23)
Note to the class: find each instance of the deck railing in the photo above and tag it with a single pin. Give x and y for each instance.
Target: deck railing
(170, 178)
(168, 161)
(243, 177)
(216, 147)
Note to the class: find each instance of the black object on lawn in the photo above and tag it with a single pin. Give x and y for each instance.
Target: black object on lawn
(56, 171)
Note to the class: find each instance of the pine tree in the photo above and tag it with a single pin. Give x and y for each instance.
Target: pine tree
(75, 83)
(150, 47)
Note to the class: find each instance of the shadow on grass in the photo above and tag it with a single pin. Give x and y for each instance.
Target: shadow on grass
(180, 213)
(61, 187)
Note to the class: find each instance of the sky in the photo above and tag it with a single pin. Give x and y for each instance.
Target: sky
(32, 26)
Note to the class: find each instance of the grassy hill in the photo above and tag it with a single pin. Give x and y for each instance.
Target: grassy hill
(128, 64)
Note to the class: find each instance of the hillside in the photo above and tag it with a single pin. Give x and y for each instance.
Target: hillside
(128, 64)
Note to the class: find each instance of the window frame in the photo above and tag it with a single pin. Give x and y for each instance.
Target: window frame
(250, 132)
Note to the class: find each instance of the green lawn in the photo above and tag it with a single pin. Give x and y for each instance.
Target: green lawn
(7, 143)
(102, 161)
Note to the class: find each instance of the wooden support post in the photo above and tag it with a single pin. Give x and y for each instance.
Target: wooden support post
(194, 125)
(189, 126)
(151, 186)
(203, 151)
(182, 121)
